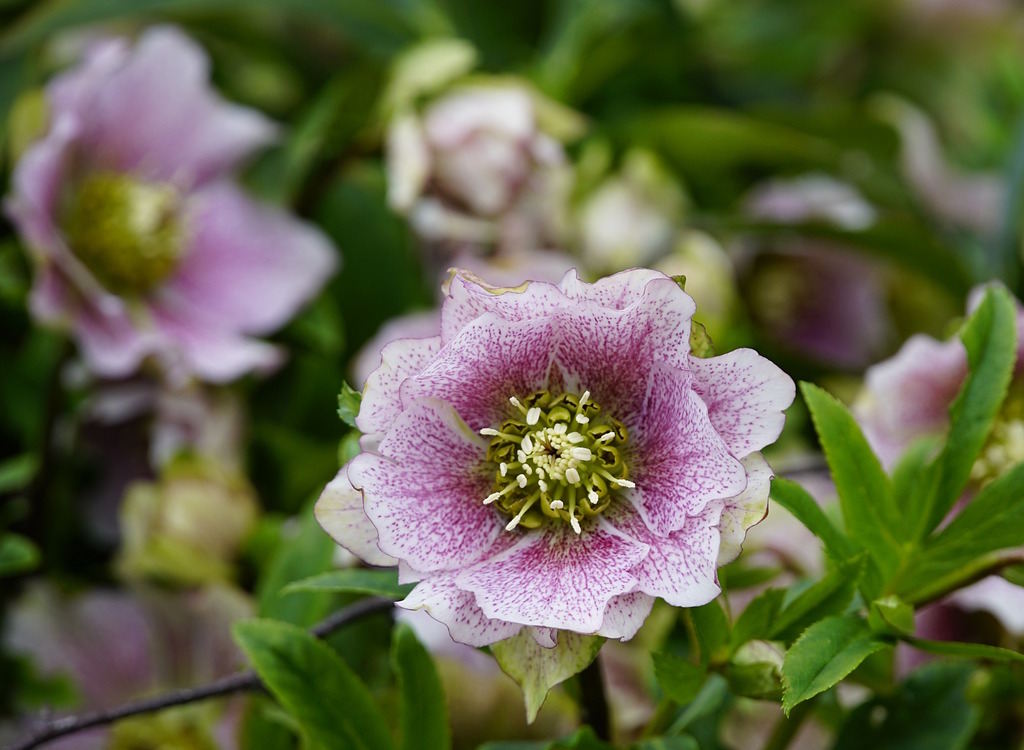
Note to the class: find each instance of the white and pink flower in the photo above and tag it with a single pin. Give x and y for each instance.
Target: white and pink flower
(476, 169)
(554, 461)
(145, 247)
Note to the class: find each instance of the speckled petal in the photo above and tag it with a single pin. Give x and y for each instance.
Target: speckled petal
(680, 567)
(554, 578)
(340, 512)
(425, 488)
(680, 462)
(439, 597)
(746, 509)
(490, 360)
(625, 614)
(616, 292)
(398, 360)
(745, 395)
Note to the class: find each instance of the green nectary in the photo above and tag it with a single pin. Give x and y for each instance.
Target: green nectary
(127, 232)
(557, 459)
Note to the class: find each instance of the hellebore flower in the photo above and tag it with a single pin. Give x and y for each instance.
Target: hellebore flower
(554, 461)
(812, 297)
(144, 245)
(476, 169)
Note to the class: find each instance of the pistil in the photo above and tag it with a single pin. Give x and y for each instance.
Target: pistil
(550, 454)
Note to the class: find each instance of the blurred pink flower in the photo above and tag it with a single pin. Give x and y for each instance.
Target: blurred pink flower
(816, 298)
(145, 246)
(116, 646)
(555, 459)
(476, 170)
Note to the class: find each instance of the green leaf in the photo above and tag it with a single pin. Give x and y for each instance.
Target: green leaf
(424, 713)
(349, 400)
(930, 711)
(679, 678)
(333, 708)
(864, 493)
(964, 650)
(353, 581)
(758, 618)
(17, 554)
(806, 510)
(826, 653)
(305, 551)
(990, 337)
(829, 596)
(992, 521)
(17, 472)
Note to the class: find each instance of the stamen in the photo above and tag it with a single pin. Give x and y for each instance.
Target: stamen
(572, 475)
(593, 497)
(606, 438)
(582, 418)
(503, 468)
(522, 512)
(560, 428)
(533, 416)
(521, 481)
(517, 403)
(581, 454)
(557, 505)
(575, 438)
(527, 444)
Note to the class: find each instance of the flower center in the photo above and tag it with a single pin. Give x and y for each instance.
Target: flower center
(1004, 448)
(557, 458)
(127, 232)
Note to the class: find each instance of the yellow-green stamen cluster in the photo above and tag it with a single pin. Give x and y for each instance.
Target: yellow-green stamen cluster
(1004, 448)
(128, 233)
(557, 458)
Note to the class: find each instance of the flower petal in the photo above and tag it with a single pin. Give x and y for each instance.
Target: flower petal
(625, 614)
(555, 578)
(248, 267)
(425, 488)
(908, 396)
(746, 509)
(399, 360)
(745, 395)
(468, 297)
(417, 325)
(340, 512)
(680, 463)
(490, 360)
(439, 597)
(612, 352)
(195, 348)
(538, 669)
(680, 567)
(616, 292)
(158, 116)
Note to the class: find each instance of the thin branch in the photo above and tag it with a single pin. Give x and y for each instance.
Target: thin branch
(229, 685)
